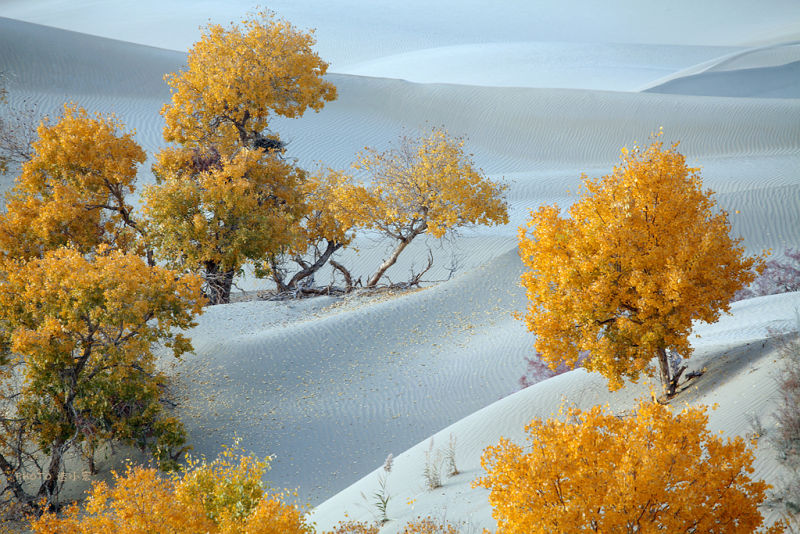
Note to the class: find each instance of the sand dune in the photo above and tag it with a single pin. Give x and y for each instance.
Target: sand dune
(351, 31)
(611, 67)
(761, 82)
(738, 365)
(331, 386)
(274, 384)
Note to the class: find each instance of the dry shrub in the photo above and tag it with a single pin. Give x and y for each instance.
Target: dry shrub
(786, 440)
(778, 276)
(353, 527)
(428, 525)
(536, 370)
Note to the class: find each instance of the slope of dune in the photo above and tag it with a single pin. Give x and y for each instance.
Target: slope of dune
(331, 386)
(611, 67)
(740, 363)
(350, 32)
(762, 72)
(762, 82)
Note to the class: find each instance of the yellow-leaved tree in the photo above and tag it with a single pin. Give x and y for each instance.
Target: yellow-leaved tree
(226, 496)
(226, 195)
(210, 213)
(238, 78)
(640, 255)
(72, 191)
(81, 311)
(649, 471)
(325, 227)
(80, 367)
(426, 185)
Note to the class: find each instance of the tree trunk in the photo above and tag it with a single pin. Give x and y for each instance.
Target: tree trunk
(669, 381)
(308, 270)
(278, 276)
(348, 278)
(218, 284)
(373, 281)
(663, 367)
(49, 486)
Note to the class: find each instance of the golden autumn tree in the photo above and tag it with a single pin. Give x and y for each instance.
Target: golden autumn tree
(650, 471)
(640, 255)
(325, 227)
(210, 213)
(84, 329)
(238, 78)
(72, 191)
(226, 496)
(426, 185)
(81, 310)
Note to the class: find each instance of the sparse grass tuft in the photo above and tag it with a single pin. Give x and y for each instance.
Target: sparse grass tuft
(432, 472)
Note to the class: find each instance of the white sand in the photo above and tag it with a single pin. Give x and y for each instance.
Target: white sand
(544, 93)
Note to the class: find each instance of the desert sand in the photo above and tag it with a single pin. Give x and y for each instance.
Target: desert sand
(331, 386)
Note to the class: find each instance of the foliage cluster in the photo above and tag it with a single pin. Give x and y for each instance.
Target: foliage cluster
(210, 213)
(651, 471)
(226, 195)
(238, 77)
(83, 302)
(225, 496)
(89, 286)
(642, 254)
(72, 192)
(287, 223)
(425, 185)
(421, 186)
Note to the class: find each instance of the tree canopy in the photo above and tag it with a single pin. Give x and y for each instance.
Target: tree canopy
(72, 192)
(238, 78)
(649, 471)
(641, 254)
(81, 310)
(210, 213)
(84, 330)
(225, 496)
(423, 185)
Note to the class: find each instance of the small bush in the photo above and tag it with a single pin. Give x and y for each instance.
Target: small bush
(537, 370)
(225, 496)
(428, 525)
(381, 495)
(450, 457)
(778, 276)
(353, 527)
(432, 472)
